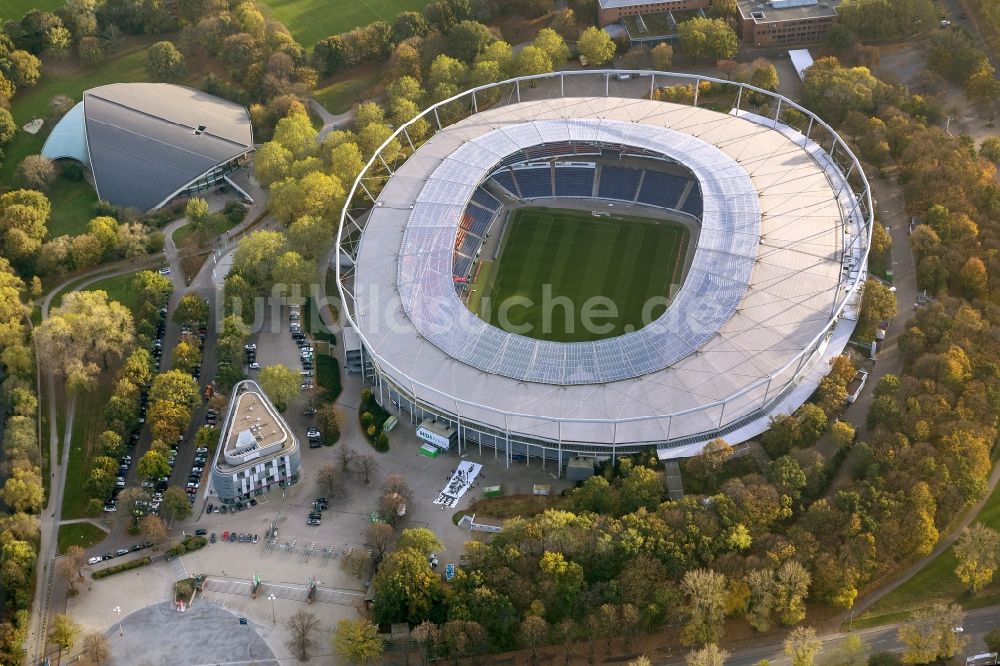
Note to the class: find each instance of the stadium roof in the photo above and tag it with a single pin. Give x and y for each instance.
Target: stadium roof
(719, 273)
(144, 142)
(787, 230)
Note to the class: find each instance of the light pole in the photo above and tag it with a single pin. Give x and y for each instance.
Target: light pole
(274, 618)
(118, 612)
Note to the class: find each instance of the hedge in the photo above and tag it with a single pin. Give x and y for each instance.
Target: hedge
(118, 568)
(189, 544)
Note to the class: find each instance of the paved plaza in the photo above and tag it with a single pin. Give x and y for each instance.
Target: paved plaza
(206, 633)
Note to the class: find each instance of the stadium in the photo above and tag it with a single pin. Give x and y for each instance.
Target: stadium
(722, 245)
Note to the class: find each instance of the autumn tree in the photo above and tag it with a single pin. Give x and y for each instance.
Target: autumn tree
(36, 172)
(977, 551)
(85, 315)
(565, 23)
(164, 62)
(802, 646)
(191, 309)
(175, 504)
(663, 56)
(24, 215)
(72, 565)
(95, 647)
(329, 421)
(358, 641)
(534, 634)
(380, 536)
(63, 631)
(930, 634)
(280, 382)
(368, 465)
(596, 46)
(710, 655)
(704, 38)
(328, 479)
(301, 627)
(704, 608)
(153, 528)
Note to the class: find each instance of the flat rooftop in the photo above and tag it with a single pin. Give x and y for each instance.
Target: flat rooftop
(253, 431)
(787, 10)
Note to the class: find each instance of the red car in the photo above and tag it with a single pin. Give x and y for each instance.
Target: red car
(225, 535)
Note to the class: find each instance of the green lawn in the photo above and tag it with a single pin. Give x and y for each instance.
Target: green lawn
(13, 10)
(339, 96)
(551, 254)
(937, 582)
(73, 204)
(119, 288)
(217, 225)
(311, 20)
(86, 426)
(84, 535)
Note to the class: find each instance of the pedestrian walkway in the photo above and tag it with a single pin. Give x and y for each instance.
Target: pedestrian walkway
(290, 591)
(179, 569)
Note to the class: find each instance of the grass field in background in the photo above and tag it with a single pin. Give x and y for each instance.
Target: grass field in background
(311, 20)
(13, 10)
(937, 582)
(343, 93)
(578, 256)
(73, 205)
(119, 288)
(84, 535)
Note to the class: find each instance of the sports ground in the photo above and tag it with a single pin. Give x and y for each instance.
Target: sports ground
(576, 256)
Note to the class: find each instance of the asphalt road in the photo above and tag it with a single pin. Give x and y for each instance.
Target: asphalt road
(880, 639)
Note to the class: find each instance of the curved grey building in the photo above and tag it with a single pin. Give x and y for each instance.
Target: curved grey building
(258, 451)
(784, 217)
(146, 143)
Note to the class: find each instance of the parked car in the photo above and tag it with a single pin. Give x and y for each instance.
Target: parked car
(94, 560)
(212, 538)
(137, 547)
(309, 411)
(165, 271)
(201, 449)
(121, 551)
(225, 535)
(201, 531)
(208, 509)
(108, 556)
(255, 538)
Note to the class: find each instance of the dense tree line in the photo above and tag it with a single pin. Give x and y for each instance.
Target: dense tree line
(621, 557)
(22, 490)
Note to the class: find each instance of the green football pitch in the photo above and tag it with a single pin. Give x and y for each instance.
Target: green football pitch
(551, 258)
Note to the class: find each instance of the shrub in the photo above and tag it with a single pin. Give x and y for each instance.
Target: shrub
(119, 568)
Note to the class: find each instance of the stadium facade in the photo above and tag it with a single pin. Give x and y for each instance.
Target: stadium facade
(146, 143)
(783, 213)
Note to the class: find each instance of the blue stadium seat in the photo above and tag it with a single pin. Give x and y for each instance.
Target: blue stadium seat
(506, 180)
(479, 220)
(462, 266)
(486, 200)
(534, 182)
(618, 183)
(693, 203)
(574, 181)
(662, 189)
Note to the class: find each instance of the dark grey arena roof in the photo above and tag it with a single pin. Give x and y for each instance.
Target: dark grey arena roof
(147, 141)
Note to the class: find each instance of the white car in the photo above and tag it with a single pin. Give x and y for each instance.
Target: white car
(307, 385)
(255, 366)
(165, 271)
(94, 560)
